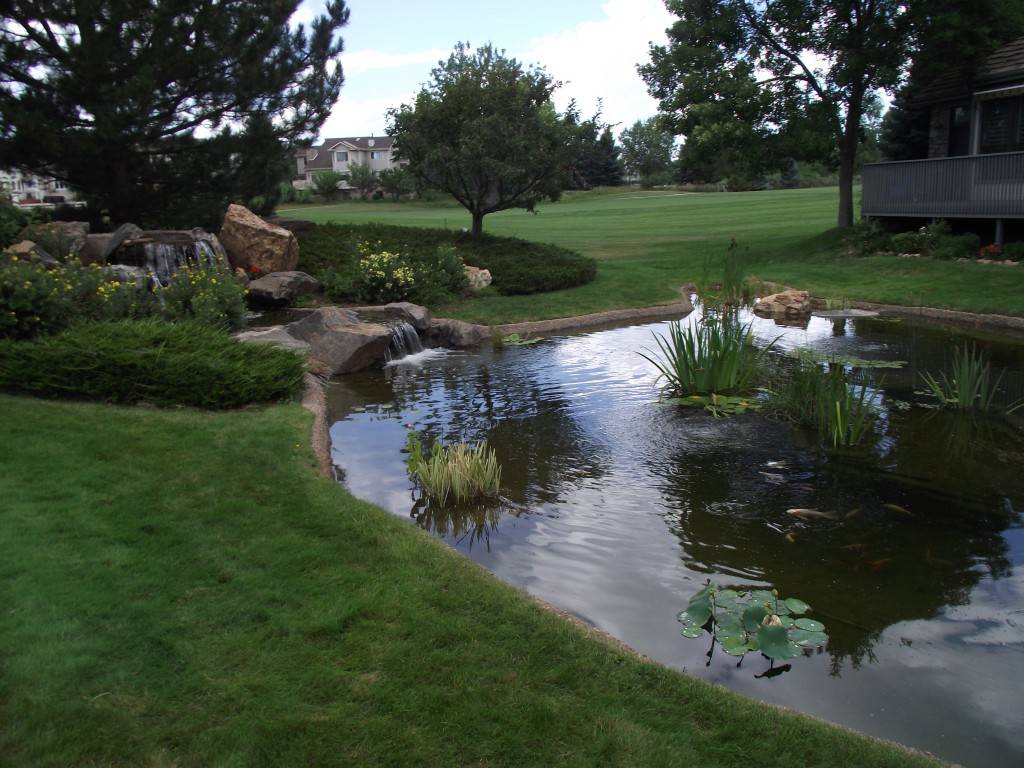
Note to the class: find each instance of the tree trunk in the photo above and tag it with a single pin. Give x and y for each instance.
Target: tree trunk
(848, 158)
(478, 225)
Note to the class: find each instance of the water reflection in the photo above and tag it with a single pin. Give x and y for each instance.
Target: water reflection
(617, 510)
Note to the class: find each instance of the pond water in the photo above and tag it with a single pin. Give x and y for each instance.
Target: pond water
(618, 509)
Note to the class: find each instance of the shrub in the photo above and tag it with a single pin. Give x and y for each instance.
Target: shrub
(867, 238)
(516, 266)
(12, 221)
(908, 242)
(325, 184)
(383, 275)
(1014, 251)
(211, 297)
(150, 361)
(954, 247)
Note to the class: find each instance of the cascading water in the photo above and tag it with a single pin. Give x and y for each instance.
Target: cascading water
(405, 341)
(163, 252)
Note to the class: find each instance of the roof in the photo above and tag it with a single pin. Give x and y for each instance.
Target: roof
(1004, 66)
(319, 157)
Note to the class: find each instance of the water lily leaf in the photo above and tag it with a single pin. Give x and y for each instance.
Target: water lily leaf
(761, 596)
(810, 625)
(797, 606)
(806, 639)
(726, 595)
(698, 611)
(692, 632)
(775, 643)
(735, 646)
(691, 620)
(787, 621)
(753, 616)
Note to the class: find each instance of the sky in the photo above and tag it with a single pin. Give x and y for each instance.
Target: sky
(592, 46)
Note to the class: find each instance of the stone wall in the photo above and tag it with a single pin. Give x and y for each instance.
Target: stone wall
(938, 132)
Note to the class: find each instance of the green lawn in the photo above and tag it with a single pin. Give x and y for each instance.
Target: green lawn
(181, 589)
(650, 243)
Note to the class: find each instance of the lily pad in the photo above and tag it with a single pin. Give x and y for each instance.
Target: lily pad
(805, 639)
(735, 646)
(810, 625)
(753, 616)
(692, 632)
(775, 643)
(797, 606)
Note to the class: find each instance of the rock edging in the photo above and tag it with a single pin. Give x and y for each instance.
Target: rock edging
(958, 317)
(314, 400)
(676, 310)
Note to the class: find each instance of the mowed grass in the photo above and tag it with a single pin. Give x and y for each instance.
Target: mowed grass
(651, 243)
(181, 589)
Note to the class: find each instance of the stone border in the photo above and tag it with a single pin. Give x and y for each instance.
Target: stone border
(314, 400)
(957, 317)
(580, 322)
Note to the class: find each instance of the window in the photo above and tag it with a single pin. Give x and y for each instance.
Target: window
(959, 131)
(341, 157)
(1002, 125)
(376, 155)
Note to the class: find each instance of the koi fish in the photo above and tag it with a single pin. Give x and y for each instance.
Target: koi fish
(791, 538)
(811, 514)
(877, 565)
(898, 508)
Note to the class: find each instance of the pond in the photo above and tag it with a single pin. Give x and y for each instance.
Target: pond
(617, 509)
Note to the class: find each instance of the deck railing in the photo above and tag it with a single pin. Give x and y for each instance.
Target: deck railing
(973, 186)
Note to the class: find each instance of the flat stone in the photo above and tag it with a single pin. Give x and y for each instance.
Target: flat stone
(339, 341)
(844, 314)
(279, 288)
(455, 334)
(27, 250)
(277, 336)
(418, 317)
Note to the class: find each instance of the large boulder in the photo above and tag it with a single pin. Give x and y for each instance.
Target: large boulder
(100, 248)
(403, 311)
(61, 239)
(279, 288)
(276, 336)
(789, 303)
(455, 334)
(256, 245)
(26, 250)
(339, 341)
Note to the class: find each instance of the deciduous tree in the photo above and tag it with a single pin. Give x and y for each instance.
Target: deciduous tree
(485, 131)
(363, 178)
(647, 151)
(397, 182)
(325, 184)
(802, 71)
(143, 106)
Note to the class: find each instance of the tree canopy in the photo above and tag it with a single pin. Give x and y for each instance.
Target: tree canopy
(647, 151)
(485, 131)
(778, 80)
(596, 161)
(163, 111)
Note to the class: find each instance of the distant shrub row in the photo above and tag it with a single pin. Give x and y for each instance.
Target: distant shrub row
(337, 255)
(151, 361)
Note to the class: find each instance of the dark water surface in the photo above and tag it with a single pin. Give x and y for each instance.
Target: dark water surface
(617, 509)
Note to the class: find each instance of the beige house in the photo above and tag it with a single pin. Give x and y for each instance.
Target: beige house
(34, 189)
(340, 155)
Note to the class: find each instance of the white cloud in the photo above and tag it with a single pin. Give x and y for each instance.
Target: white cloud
(369, 60)
(360, 117)
(597, 59)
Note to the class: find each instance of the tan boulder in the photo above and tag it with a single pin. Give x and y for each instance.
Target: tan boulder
(477, 278)
(256, 245)
(788, 303)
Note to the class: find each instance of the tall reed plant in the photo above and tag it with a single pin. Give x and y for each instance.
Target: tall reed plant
(453, 474)
(968, 385)
(715, 355)
(825, 398)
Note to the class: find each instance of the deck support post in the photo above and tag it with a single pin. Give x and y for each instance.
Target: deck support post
(1000, 232)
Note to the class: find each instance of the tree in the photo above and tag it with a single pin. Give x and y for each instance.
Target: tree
(325, 184)
(397, 182)
(799, 72)
(647, 151)
(595, 154)
(485, 131)
(363, 178)
(163, 112)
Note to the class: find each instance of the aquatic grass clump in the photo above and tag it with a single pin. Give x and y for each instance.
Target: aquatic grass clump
(969, 384)
(453, 474)
(825, 398)
(713, 356)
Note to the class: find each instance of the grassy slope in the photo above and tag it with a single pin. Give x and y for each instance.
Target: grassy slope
(651, 243)
(180, 589)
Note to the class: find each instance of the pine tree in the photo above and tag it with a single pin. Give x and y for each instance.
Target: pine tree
(163, 111)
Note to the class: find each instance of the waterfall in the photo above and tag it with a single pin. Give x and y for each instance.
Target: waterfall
(404, 342)
(163, 253)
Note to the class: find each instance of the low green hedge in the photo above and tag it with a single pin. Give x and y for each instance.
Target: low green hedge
(151, 361)
(331, 253)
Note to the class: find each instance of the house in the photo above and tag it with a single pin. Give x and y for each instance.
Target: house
(975, 164)
(340, 155)
(34, 189)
